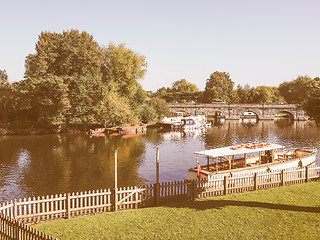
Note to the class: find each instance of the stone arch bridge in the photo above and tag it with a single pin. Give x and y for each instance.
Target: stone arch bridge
(234, 111)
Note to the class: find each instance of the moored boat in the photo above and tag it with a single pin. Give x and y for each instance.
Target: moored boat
(250, 158)
(194, 122)
(171, 122)
(131, 129)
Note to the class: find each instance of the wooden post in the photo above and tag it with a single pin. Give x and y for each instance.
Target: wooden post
(225, 184)
(255, 181)
(208, 163)
(15, 209)
(282, 177)
(229, 158)
(307, 174)
(259, 157)
(194, 186)
(68, 206)
(157, 186)
(245, 160)
(272, 155)
(115, 182)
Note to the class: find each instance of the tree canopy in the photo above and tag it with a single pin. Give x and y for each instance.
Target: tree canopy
(219, 86)
(305, 92)
(71, 79)
(181, 91)
(6, 95)
(298, 90)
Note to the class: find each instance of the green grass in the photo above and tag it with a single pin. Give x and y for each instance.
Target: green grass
(291, 212)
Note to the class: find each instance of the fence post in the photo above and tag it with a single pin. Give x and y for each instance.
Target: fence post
(157, 185)
(225, 184)
(255, 181)
(115, 192)
(68, 206)
(193, 190)
(15, 209)
(307, 174)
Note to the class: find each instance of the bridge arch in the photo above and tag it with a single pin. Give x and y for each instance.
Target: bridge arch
(256, 112)
(284, 113)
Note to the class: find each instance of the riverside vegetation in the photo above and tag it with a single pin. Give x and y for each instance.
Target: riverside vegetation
(72, 82)
(290, 212)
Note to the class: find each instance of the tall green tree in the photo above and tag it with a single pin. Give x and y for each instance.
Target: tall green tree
(243, 93)
(219, 86)
(70, 53)
(70, 79)
(7, 95)
(64, 77)
(122, 70)
(312, 102)
(296, 91)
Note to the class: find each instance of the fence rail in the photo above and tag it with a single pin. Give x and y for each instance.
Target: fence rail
(14, 214)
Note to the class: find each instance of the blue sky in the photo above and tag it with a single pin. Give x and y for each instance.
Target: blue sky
(256, 42)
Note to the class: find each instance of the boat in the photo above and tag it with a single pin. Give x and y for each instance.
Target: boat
(194, 122)
(131, 129)
(133, 134)
(171, 122)
(250, 158)
(98, 132)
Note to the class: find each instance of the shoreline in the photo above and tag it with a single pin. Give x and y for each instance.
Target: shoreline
(35, 131)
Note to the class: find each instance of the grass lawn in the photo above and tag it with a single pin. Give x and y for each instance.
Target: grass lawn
(291, 212)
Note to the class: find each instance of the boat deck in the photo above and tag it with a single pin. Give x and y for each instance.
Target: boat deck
(251, 162)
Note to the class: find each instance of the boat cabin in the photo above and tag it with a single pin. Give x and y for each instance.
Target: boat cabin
(240, 156)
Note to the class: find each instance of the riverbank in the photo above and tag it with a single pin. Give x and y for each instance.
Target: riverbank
(36, 131)
(288, 212)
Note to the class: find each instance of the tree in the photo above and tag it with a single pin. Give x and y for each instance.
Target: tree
(6, 96)
(70, 79)
(68, 54)
(181, 91)
(312, 103)
(219, 86)
(296, 91)
(122, 69)
(160, 106)
(48, 99)
(64, 78)
(264, 94)
(243, 93)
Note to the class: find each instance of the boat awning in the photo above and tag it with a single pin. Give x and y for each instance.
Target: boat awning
(228, 151)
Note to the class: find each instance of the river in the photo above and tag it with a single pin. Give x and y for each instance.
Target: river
(53, 164)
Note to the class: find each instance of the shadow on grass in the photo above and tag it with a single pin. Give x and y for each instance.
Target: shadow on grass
(219, 204)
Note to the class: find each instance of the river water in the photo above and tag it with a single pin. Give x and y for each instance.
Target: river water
(53, 164)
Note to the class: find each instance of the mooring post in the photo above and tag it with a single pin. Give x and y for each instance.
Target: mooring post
(157, 186)
(115, 182)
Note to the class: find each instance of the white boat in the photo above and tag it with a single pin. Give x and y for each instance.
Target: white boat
(194, 122)
(250, 158)
(171, 122)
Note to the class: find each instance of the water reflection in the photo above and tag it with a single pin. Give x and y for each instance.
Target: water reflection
(41, 165)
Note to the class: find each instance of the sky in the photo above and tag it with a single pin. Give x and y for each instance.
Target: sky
(258, 42)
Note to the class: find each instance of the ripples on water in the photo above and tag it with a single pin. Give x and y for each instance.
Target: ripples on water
(45, 165)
